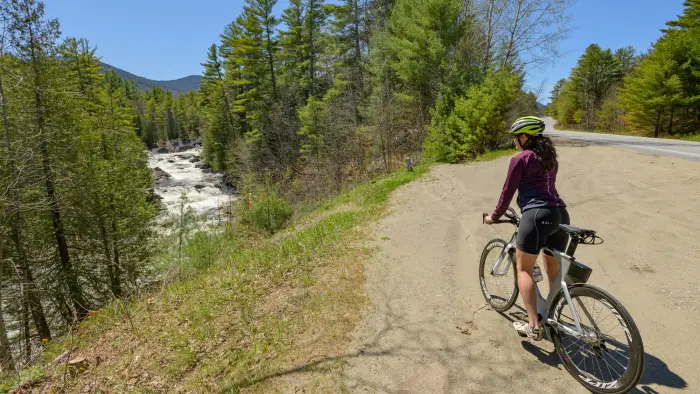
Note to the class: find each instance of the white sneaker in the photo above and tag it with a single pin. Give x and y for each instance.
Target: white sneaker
(524, 330)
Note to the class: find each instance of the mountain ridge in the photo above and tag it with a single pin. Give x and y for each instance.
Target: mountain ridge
(177, 86)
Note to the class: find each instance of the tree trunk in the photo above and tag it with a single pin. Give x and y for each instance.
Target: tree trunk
(270, 59)
(358, 54)
(511, 40)
(115, 271)
(117, 284)
(6, 361)
(25, 327)
(59, 232)
(657, 125)
(112, 271)
(670, 121)
(489, 34)
(312, 71)
(15, 214)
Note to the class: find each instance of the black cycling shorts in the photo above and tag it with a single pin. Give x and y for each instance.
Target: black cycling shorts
(539, 227)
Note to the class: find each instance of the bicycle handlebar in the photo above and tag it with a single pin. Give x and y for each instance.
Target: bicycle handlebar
(512, 216)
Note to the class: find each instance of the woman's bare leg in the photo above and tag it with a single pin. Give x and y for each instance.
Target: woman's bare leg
(526, 263)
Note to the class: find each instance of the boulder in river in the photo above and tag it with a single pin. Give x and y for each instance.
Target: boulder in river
(199, 186)
(152, 195)
(159, 175)
(183, 148)
(194, 159)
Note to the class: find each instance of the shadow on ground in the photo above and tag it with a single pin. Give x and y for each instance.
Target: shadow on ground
(656, 372)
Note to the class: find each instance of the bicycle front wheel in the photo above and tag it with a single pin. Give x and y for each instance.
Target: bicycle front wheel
(500, 291)
(609, 357)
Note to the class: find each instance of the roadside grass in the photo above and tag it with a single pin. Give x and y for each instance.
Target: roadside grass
(258, 314)
(694, 138)
(496, 154)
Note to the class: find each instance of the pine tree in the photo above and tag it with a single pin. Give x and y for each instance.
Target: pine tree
(292, 50)
(663, 84)
(34, 40)
(314, 24)
(219, 123)
(595, 74)
(349, 40)
(421, 35)
(690, 18)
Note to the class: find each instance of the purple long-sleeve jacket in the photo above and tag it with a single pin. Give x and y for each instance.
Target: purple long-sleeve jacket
(536, 187)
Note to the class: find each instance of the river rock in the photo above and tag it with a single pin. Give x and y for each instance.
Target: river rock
(199, 187)
(194, 159)
(152, 195)
(183, 148)
(159, 175)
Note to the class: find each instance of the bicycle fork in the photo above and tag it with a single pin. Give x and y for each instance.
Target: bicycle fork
(503, 263)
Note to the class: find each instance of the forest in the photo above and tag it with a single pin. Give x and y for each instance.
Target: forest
(655, 93)
(292, 109)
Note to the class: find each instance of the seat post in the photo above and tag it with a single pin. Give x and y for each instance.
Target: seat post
(573, 244)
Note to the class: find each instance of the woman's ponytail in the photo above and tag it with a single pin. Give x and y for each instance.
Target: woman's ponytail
(544, 148)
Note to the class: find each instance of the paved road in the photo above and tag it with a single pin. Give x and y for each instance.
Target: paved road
(652, 146)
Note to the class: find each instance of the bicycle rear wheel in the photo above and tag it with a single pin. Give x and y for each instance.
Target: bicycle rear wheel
(609, 359)
(500, 291)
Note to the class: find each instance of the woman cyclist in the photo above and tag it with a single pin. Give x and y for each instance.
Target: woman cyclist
(533, 173)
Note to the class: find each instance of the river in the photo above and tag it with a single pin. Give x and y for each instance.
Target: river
(183, 171)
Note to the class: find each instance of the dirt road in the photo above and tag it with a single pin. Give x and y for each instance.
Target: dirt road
(428, 330)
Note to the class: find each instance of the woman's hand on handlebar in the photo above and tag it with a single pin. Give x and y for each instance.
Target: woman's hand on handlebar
(488, 219)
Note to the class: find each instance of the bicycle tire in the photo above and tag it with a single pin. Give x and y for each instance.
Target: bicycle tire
(631, 376)
(497, 243)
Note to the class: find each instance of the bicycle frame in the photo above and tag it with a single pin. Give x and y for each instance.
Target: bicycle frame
(560, 283)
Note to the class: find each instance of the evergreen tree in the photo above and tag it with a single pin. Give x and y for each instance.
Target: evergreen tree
(293, 50)
(34, 40)
(421, 37)
(314, 24)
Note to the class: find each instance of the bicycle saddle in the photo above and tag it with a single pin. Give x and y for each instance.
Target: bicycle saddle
(575, 230)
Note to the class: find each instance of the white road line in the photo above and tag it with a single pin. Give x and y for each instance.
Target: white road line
(666, 150)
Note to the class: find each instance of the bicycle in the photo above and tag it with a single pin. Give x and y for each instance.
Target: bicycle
(616, 364)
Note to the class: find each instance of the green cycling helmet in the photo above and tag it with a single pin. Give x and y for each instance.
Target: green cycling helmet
(530, 125)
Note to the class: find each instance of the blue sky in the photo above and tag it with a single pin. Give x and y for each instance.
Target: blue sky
(168, 39)
(610, 24)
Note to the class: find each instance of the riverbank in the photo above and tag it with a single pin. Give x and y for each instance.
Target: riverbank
(259, 312)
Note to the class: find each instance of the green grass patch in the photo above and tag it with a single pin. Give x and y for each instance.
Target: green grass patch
(249, 311)
(496, 154)
(694, 138)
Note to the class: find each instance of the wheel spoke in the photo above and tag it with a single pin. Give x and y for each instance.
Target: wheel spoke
(498, 288)
(595, 359)
(572, 343)
(609, 351)
(607, 365)
(614, 367)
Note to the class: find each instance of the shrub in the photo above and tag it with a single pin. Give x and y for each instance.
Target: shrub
(263, 208)
(271, 213)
